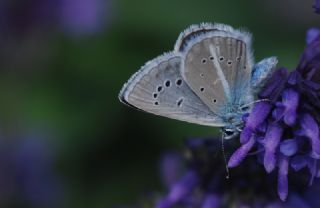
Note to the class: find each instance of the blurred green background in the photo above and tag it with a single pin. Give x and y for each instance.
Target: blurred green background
(62, 65)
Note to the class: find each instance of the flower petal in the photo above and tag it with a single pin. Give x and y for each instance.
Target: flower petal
(274, 85)
(258, 114)
(289, 147)
(290, 100)
(211, 201)
(283, 177)
(245, 135)
(298, 162)
(294, 78)
(183, 187)
(316, 6)
(309, 60)
(311, 129)
(272, 139)
(277, 113)
(170, 167)
(164, 203)
(313, 33)
(239, 155)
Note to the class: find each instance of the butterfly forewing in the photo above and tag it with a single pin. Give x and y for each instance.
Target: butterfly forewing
(217, 67)
(159, 88)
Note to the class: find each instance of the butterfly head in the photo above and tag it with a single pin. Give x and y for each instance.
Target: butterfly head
(234, 122)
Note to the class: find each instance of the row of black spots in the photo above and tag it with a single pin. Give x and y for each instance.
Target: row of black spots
(160, 88)
(204, 60)
(155, 95)
(178, 82)
(221, 59)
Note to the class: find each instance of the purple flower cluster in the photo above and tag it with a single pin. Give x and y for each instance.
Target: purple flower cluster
(283, 129)
(27, 176)
(202, 182)
(84, 16)
(74, 17)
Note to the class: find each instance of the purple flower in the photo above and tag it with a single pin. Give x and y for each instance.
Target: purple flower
(285, 129)
(203, 183)
(27, 174)
(17, 19)
(316, 6)
(84, 16)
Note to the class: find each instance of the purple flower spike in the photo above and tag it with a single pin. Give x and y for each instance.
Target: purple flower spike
(312, 34)
(271, 143)
(310, 129)
(241, 153)
(283, 177)
(183, 187)
(290, 100)
(211, 201)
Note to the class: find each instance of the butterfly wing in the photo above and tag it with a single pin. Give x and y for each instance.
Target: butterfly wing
(262, 72)
(159, 88)
(217, 66)
(195, 31)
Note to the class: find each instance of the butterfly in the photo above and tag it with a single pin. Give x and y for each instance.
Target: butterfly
(209, 79)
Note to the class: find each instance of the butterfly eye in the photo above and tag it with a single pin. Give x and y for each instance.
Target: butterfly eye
(159, 88)
(155, 95)
(228, 132)
(211, 58)
(229, 63)
(202, 89)
(245, 108)
(221, 58)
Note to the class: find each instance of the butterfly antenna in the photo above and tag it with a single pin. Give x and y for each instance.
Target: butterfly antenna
(256, 101)
(224, 156)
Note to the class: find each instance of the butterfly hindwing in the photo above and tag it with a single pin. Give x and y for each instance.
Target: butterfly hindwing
(262, 72)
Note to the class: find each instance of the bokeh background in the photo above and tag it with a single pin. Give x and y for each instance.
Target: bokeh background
(65, 139)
